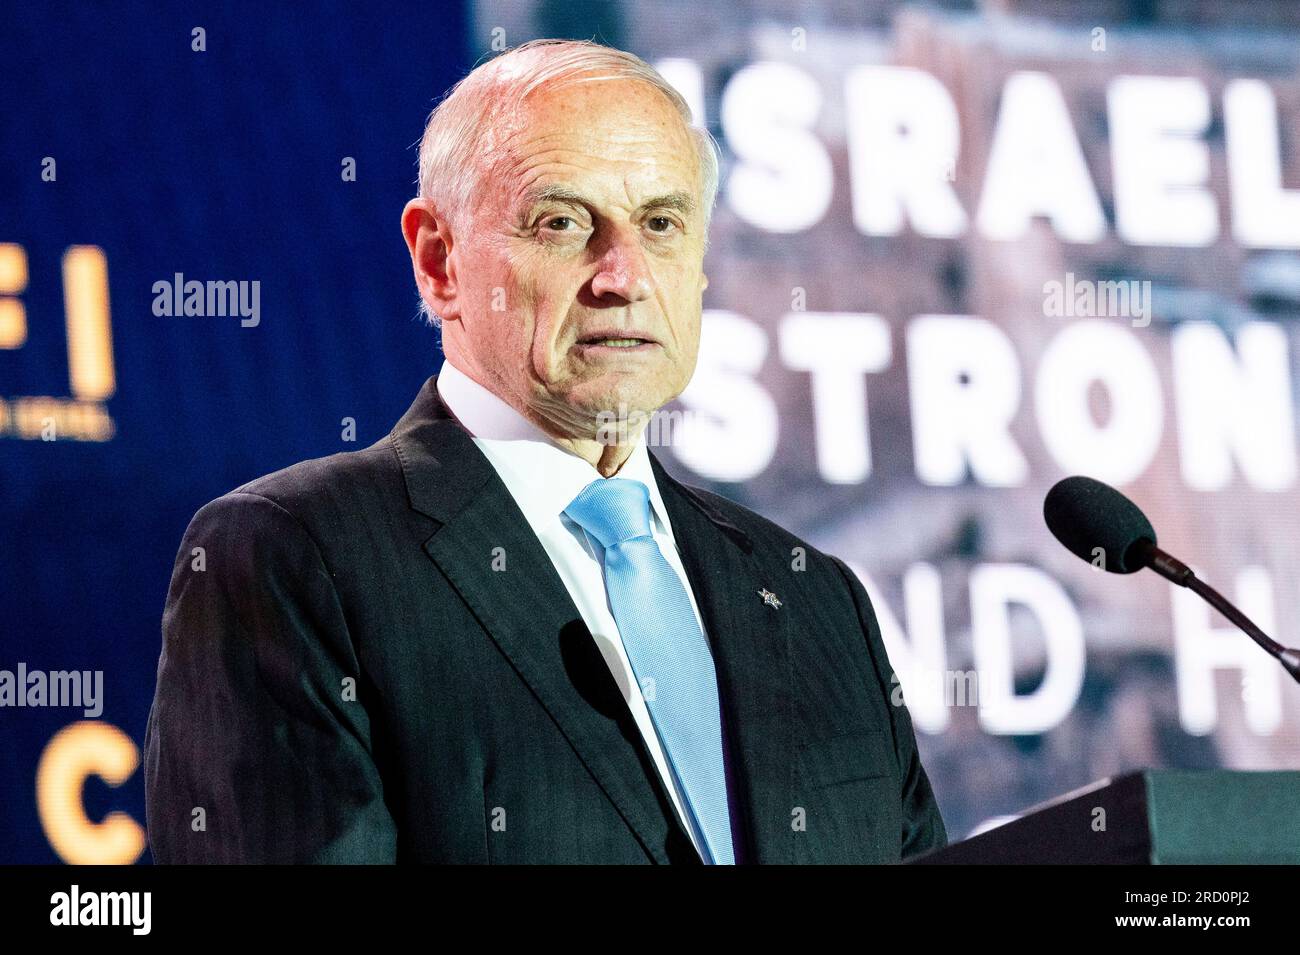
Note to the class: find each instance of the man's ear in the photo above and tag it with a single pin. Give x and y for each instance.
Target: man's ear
(430, 241)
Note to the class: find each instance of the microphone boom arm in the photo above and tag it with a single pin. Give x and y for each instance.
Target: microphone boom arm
(1173, 569)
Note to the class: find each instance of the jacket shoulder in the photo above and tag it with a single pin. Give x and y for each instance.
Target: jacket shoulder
(322, 491)
(765, 533)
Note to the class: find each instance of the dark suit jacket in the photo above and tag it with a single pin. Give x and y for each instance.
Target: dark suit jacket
(345, 677)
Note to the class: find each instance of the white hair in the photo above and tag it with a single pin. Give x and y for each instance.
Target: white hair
(466, 126)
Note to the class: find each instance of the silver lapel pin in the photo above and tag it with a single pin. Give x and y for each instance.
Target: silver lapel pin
(769, 598)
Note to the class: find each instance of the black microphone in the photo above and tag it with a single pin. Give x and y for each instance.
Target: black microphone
(1100, 525)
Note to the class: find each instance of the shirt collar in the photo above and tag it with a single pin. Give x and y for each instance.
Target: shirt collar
(542, 477)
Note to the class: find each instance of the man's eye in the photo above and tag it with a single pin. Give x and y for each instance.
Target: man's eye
(661, 224)
(560, 223)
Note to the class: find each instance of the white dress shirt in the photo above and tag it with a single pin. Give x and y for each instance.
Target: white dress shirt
(544, 478)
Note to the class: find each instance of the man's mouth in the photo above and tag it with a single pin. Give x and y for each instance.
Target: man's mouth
(616, 342)
(630, 340)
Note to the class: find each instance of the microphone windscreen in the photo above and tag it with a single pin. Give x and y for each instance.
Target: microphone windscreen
(1085, 514)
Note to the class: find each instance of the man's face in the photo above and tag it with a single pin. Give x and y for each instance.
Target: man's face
(579, 283)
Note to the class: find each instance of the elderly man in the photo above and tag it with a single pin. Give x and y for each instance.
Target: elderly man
(504, 633)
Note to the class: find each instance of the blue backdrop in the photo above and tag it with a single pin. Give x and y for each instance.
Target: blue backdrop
(221, 164)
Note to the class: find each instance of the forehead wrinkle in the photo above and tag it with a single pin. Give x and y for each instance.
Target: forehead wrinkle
(562, 192)
(609, 150)
(544, 178)
(531, 152)
(637, 140)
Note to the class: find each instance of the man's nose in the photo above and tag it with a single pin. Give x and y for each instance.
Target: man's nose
(624, 270)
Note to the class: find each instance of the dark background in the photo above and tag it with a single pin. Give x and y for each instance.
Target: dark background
(222, 165)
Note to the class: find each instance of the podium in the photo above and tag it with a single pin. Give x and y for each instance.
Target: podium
(1158, 817)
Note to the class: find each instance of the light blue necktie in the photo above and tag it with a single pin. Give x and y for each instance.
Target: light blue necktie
(666, 648)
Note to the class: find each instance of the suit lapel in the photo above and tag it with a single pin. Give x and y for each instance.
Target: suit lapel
(751, 652)
(526, 609)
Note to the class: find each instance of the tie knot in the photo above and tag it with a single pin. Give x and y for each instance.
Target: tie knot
(612, 510)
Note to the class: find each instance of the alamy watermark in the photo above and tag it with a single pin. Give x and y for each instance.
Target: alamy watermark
(130, 909)
(83, 688)
(1083, 298)
(954, 687)
(660, 427)
(210, 299)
